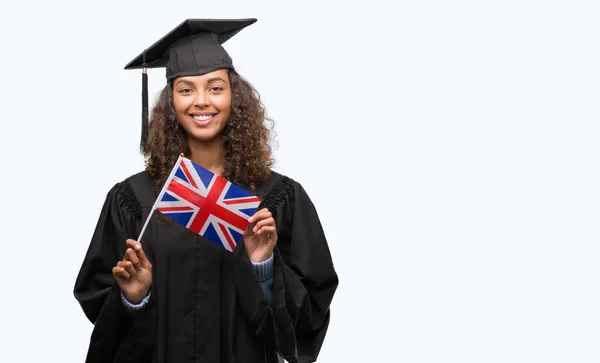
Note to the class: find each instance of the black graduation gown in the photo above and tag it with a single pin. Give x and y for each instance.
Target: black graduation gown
(207, 304)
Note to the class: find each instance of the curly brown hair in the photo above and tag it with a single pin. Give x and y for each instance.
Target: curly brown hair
(247, 136)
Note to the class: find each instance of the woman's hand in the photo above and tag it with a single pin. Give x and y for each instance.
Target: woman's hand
(260, 236)
(134, 273)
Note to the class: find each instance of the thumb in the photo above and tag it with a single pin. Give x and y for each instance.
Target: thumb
(250, 226)
(144, 263)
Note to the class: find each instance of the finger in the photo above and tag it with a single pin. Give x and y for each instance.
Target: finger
(133, 244)
(128, 266)
(267, 229)
(143, 259)
(262, 223)
(116, 271)
(120, 273)
(130, 255)
(261, 214)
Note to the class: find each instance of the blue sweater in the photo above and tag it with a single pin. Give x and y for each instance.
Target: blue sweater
(263, 270)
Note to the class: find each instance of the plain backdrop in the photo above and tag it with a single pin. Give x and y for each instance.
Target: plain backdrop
(450, 147)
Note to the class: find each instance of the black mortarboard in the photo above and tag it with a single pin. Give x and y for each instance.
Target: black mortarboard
(193, 48)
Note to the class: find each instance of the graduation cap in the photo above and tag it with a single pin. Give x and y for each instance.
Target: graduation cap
(193, 48)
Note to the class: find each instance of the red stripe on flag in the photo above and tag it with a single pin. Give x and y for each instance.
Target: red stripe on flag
(187, 174)
(227, 236)
(242, 200)
(174, 209)
(208, 205)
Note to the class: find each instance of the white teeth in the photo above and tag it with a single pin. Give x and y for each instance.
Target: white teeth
(202, 118)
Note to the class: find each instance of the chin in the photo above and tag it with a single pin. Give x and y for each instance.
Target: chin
(203, 136)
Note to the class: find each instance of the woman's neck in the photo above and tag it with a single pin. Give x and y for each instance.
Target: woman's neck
(209, 154)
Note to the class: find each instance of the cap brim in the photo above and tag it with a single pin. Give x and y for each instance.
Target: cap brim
(224, 29)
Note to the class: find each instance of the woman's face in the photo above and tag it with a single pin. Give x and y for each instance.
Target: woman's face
(203, 103)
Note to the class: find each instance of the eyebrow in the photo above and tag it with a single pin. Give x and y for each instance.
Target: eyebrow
(210, 80)
(214, 79)
(184, 81)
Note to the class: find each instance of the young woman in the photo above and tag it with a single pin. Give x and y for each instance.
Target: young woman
(175, 296)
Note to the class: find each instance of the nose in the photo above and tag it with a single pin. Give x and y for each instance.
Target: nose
(201, 100)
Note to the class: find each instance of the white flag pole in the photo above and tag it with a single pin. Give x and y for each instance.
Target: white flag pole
(160, 196)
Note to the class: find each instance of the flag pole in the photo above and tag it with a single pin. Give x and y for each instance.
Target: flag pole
(160, 196)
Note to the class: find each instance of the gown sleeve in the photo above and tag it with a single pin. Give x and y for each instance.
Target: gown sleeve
(95, 288)
(304, 280)
(94, 281)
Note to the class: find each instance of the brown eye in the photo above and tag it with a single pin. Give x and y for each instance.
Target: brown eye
(185, 90)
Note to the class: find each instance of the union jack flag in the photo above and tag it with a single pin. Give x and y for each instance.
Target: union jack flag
(206, 203)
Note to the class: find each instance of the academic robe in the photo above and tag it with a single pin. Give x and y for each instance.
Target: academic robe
(206, 303)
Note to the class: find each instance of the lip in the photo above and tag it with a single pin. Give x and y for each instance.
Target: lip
(202, 123)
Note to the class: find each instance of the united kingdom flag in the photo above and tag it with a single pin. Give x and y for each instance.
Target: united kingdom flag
(206, 203)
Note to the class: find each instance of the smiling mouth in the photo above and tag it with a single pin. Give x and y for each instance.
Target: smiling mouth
(202, 120)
